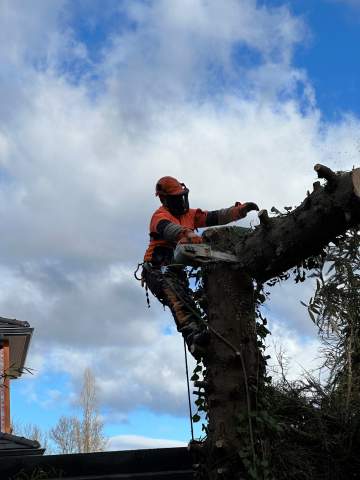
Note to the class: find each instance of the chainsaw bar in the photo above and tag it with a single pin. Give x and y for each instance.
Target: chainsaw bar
(200, 253)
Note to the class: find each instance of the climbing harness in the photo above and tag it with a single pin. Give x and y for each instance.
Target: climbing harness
(139, 279)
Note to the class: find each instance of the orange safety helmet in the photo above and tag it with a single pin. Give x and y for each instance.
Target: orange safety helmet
(170, 186)
(173, 195)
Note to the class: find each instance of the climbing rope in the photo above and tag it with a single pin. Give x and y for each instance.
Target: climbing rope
(171, 286)
(224, 340)
(188, 389)
(143, 284)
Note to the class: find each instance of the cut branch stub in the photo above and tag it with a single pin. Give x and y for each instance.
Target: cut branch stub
(355, 175)
(275, 210)
(324, 172)
(316, 186)
(264, 218)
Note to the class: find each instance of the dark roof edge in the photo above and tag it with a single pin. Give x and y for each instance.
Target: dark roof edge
(151, 463)
(26, 349)
(20, 440)
(14, 321)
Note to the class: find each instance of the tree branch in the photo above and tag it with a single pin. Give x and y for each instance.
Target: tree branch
(280, 243)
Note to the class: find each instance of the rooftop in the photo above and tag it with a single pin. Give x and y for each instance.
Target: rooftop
(18, 334)
(164, 464)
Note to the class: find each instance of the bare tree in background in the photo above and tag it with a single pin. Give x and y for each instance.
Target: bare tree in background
(31, 432)
(91, 437)
(65, 435)
(85, 435)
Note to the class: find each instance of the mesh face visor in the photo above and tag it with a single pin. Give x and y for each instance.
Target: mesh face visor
(178, 204)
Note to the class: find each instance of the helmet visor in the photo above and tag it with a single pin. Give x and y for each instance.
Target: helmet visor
(178, 204)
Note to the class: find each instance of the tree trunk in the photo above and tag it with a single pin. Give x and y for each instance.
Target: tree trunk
(233, 365)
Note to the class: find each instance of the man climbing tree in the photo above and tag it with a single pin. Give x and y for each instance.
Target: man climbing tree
(175, 222)
(239, 434)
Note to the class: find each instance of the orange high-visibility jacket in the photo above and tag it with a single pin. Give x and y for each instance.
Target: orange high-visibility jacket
(165, 228)
(194, 218)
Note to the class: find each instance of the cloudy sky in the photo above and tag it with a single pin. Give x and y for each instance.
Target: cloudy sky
(98, 99)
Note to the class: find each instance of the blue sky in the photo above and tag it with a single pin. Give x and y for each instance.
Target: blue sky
(328, 54)
(331, 57)
(98, 100)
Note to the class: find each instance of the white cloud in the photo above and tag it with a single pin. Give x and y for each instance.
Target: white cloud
(300, 354)
(27, 32)
(284, 306)
(173, 56)
(134, 442)
(127, 377)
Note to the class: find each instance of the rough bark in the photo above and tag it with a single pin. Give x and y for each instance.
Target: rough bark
(232, 367)
(280, 243)
(232, 361)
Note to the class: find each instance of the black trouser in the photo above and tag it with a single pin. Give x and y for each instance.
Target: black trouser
(170, 286)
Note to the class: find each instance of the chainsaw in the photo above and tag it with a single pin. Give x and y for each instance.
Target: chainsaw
(199, 254)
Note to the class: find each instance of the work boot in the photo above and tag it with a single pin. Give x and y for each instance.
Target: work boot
(197, 351)
(196, 338)
(195, 333)
(188, 328)
(200, 337)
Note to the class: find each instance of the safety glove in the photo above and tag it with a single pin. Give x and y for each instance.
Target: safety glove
(188, 236)
(242, 209)
(249, 206)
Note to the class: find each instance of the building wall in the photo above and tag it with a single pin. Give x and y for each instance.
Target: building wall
(2, 393)
(4, 389)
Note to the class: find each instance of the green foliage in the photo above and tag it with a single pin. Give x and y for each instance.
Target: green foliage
(257, 427)
(335, 309)
(196, 418)
(200, 402)
(199, 372)
(321, 422)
